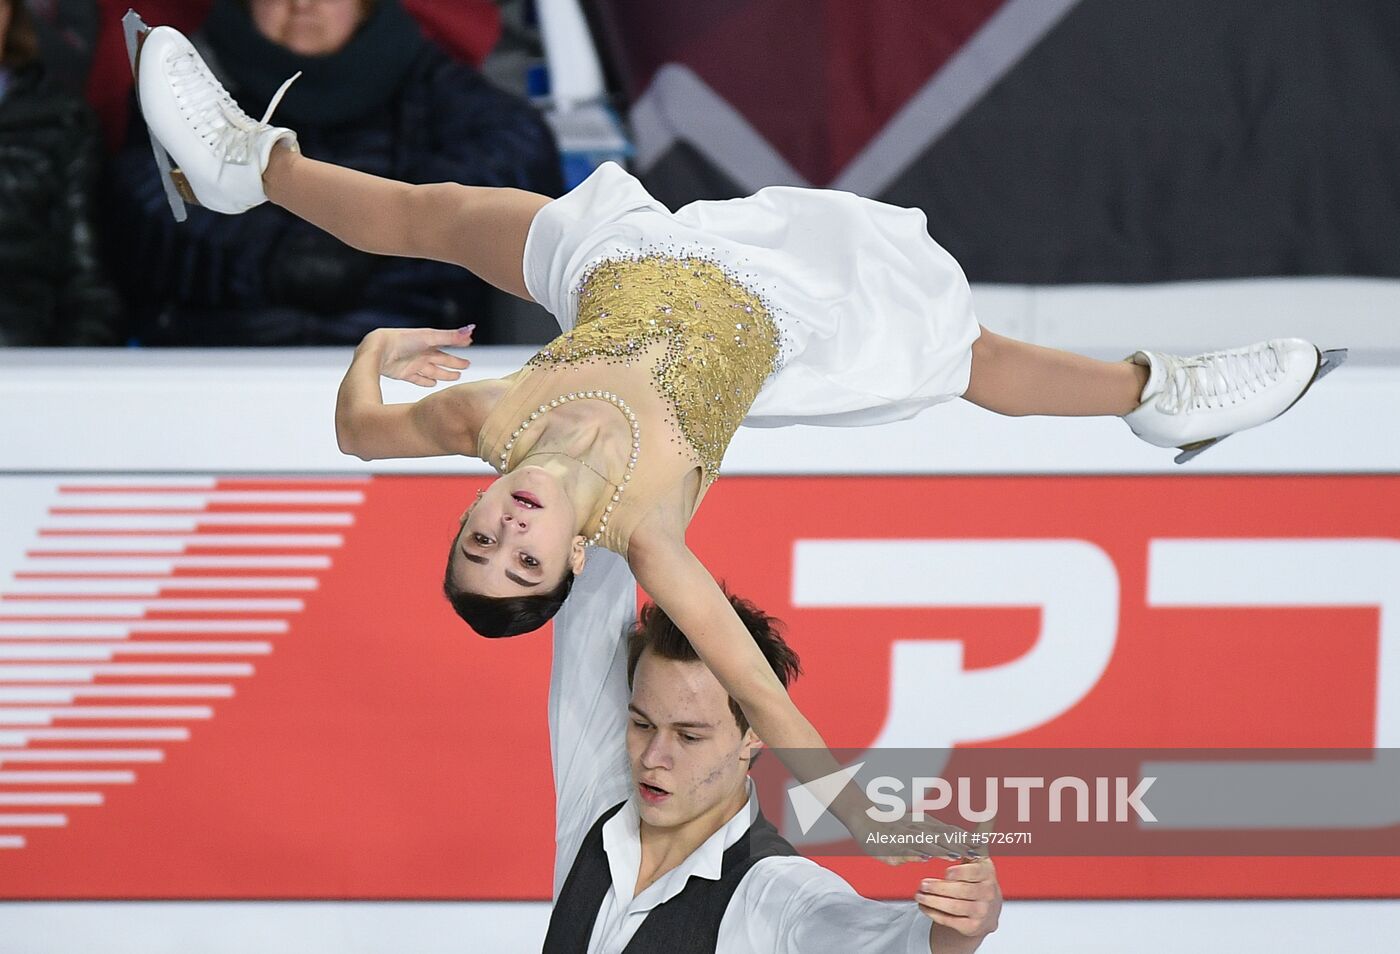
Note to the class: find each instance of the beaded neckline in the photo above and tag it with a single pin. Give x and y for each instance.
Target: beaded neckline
(631, 462)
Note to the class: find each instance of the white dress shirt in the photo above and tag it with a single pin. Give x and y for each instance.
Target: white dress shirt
(783, 905)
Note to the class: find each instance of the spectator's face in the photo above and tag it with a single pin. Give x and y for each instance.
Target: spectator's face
(689, 760)
(308, 27)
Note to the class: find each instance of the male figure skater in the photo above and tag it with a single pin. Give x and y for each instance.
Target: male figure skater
(659, 842)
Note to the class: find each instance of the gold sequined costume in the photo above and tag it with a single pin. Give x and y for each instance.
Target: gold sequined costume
(681, 342)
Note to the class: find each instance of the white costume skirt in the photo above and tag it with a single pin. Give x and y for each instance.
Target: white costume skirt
(875, 318)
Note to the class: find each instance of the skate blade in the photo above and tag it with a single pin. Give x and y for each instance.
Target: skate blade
(177, 188)
(1329, 361)
(1191, 451)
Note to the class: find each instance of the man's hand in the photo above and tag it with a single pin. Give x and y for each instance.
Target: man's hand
(965, 904)
(414, 354)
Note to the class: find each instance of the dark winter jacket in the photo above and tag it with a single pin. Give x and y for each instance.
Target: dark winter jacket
(390, 104)
(52, 288)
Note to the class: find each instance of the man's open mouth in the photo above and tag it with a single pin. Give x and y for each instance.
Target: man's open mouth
(651, 792)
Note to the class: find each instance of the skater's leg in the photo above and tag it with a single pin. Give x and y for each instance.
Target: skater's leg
(1017, 378)
(480, 228)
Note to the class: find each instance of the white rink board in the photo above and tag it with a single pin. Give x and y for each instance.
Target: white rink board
(240, 411)
(272, 410)
(1030, 927)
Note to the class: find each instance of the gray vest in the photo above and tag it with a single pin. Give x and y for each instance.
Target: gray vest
(686, 924)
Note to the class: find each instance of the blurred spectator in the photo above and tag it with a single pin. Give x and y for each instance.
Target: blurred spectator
(467, 29)
(375, 95)
(52, 291)
(67, 31)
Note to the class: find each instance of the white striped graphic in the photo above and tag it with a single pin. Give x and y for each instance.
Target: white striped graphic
(180, 542)
(13, 799)
(188, 524)
(64, 778)
(67, 694)
(44, 715)
(145, 565)
(8, 820)
(77, 672)
(49, 609)
(94, 559)
(11, 756)
(46, 630)
(155, 586)
(88, 484)
(102, 652)
(147, 734)
(193, 501)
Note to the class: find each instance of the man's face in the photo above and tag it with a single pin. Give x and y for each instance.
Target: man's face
(684, 746)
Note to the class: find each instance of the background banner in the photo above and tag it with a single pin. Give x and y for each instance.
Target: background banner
(1049, 141)
(252, 688)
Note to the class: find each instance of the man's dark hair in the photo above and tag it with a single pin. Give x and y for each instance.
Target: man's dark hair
(497, 616)
(655, 631)
(21, 42)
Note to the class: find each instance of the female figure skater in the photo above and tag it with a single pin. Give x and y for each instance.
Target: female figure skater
(789, 306)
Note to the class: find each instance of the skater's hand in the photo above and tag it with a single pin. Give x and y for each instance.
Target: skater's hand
(904, 839)
(415, 355)
(965, 902)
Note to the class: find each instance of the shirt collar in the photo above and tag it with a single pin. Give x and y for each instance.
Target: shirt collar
(623, 845)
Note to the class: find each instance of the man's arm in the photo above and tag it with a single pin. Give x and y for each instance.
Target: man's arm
(588, 703)
(794, 906)
(446, 422)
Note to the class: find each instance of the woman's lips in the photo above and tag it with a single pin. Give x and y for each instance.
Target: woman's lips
(527, 499)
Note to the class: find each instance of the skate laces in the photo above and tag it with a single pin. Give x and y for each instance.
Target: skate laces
(217, 119)
(1218, 377)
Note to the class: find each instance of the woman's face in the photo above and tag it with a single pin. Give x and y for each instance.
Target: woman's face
(518, 539)
(309, 27)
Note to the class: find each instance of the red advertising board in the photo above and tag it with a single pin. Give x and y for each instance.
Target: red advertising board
(330, 730)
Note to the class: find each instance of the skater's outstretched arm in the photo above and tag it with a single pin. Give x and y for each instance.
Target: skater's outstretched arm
(679, 584)
(479, 228)
(443, 423)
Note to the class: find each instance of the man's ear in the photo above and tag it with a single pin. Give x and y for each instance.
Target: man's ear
(578, 555)
(751, 745)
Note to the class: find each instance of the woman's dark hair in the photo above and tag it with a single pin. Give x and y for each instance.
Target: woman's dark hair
(497, 616)
(21, 42)
(655, 631)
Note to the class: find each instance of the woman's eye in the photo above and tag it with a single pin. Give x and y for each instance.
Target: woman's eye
(529, 561)
(481, 539)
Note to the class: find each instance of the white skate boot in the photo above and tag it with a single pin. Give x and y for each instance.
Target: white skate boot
(1195, 403)
(219, 152)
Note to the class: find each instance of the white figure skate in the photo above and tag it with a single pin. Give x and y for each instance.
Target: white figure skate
(218, 151)
(1195, 403)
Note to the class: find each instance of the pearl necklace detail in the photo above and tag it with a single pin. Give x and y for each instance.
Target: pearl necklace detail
(631, 463)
